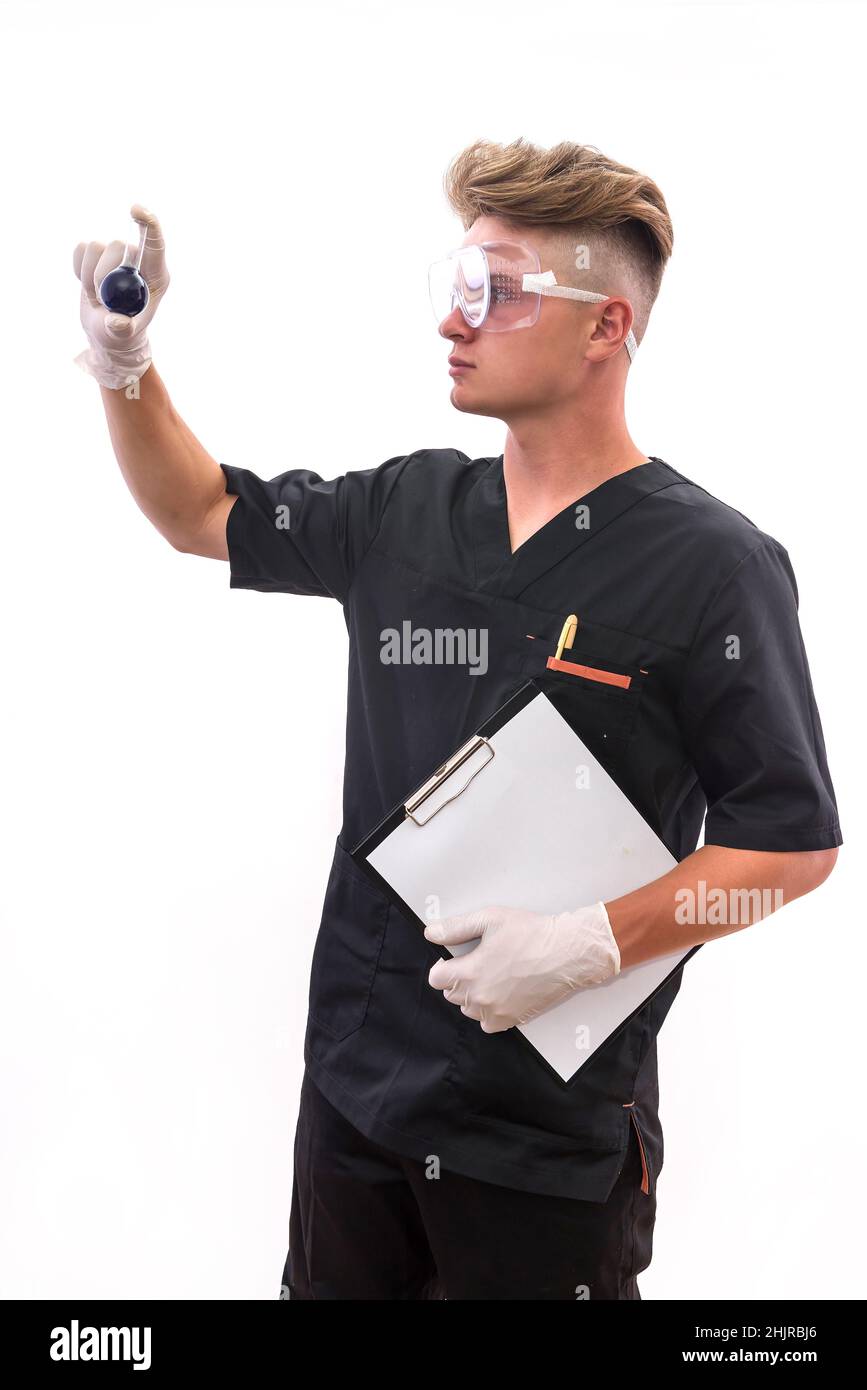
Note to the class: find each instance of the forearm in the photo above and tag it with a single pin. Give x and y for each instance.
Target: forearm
(711, 893)
(172, 477)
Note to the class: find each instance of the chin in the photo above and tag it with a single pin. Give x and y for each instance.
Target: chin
(475, 407)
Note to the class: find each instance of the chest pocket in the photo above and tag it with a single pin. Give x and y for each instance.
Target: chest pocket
(598, 696)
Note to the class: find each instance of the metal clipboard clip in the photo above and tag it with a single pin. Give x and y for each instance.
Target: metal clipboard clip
(443, 773)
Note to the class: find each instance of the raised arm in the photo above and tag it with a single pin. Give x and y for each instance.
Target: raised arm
(177, 484)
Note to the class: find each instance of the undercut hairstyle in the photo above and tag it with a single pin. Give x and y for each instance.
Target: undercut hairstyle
(571, 196)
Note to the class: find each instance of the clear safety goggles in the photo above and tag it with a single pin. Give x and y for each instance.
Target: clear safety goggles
(498, 286)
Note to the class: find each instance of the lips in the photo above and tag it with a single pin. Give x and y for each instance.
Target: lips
(458, 362)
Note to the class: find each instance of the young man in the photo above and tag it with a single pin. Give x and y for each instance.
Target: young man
(434, 1156)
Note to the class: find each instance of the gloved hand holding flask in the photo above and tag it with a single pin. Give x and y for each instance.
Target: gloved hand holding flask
(119, 351)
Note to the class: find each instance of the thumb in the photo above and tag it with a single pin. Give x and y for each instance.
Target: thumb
(453, 930)
(119, 326)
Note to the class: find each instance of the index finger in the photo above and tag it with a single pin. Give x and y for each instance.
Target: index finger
(153, 256)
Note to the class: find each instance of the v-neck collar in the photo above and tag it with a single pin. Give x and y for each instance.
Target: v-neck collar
(500, 571)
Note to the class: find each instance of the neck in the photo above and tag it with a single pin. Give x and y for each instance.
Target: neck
(545, 467)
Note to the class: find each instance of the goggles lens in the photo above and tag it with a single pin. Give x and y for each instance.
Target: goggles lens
(485, 282)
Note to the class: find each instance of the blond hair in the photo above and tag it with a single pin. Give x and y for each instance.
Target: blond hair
(575, 196)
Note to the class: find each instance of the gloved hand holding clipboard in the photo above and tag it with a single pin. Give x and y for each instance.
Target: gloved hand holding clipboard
(523, 814)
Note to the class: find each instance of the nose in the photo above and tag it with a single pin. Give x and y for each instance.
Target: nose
(455, 326)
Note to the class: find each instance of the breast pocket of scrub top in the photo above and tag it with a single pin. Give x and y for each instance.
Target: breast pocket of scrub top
(597, 695)
(346, 954)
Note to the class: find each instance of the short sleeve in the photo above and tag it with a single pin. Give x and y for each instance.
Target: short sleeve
(299, 533)
(749, 719)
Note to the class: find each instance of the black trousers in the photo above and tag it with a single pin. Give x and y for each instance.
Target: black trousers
(367, 1223)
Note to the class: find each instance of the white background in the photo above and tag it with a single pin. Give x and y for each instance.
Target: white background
(173, 750)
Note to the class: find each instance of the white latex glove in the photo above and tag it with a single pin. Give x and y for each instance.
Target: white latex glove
(525, 962)
(119, 352)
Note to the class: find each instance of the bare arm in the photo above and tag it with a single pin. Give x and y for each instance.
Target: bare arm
(177, 484)
(172, 477)
(740, 887)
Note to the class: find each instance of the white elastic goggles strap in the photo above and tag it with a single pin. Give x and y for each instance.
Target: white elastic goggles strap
(546, 283)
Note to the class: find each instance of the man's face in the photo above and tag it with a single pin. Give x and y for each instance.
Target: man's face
(522, 370)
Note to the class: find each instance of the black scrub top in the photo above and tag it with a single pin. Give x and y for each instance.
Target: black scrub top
(671, 587)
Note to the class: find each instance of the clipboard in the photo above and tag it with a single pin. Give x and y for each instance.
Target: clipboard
(523, 815)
